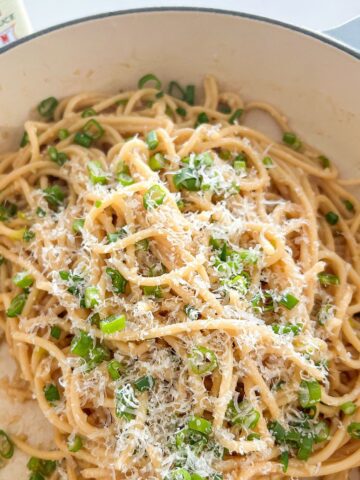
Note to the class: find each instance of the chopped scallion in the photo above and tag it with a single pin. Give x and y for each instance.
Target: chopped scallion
(202, 361)
(348, 408)
(149, 77)
(96, 173)
(74, 444)
(289, 301)
(309, 393)
(6, 445)
(327, 279)
(55, 332)
(157, 161)
(17, 305)
(91, 297)
(236, 115)
(47, 107)
(118, 281)
(144, 383)
(23, 280)
(201, 118)
(154, 197)
(51, 392)
(152, 140)
(113, 323)
(332, 218)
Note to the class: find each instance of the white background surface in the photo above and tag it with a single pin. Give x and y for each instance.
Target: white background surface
(316, 15)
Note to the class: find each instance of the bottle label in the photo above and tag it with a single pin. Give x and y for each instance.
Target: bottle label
(14, 22)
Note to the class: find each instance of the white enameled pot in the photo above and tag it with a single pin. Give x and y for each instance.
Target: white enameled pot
(313, 80)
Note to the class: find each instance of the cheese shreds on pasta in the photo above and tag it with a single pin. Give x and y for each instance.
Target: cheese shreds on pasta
(180, 291)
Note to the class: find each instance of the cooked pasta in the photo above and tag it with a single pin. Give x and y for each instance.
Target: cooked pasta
(180, 291)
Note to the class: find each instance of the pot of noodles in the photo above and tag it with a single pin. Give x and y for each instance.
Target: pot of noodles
(179, 249)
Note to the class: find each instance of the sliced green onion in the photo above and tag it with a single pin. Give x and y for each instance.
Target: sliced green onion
(321, 431)
(54, 195)
(152, 140)
(332, 218)
(152, 291)
(143, 245)
(179, 474)
(115, 236)
(144, 383)
(83, 139)
(196, 476)
(7, 210)
(325, 162)
(354, 430)
(55, 332)
(126, 402)
(24, 140)
(154, 197)
(289, 301)
(78, 225)
(201, 425)
(40, 212)
(348, 408)
(51, 392)
(242, 414)
(288, 328)
(191, 312)
(93, 129)
(224, 154)
(63, 133)
(88, 112)
(74, 444)
(277, 431)
(327, 279)
(159, 94)
(118, 281)
(224, 108)
(23, 280)
(36, 476)
(97, 355)
(91, 297)
(253, 436)
(201, 118)
(81, 344)
(284, 460)
(202, 361)
(28, 235)
(43, 467)
(113, 323)
(348, 205)
(6, 445)
(309, 393)
(239, 165)
(187, 179)
(290, 139)
(96, 173)
(47, 107)
(181, 111)
(114, 367)
(57, 157)
(203, 159)
(157, 161)
(149, 77)
(17, 305)
(305, 448)
(98, 203)
(236, 115)
(125, 179)
(267, 161)
(189, 96)
(324, 313)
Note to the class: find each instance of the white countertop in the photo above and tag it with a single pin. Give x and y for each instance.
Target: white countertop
(318, 15)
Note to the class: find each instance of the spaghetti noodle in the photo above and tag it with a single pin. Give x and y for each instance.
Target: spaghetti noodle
(180, 291)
